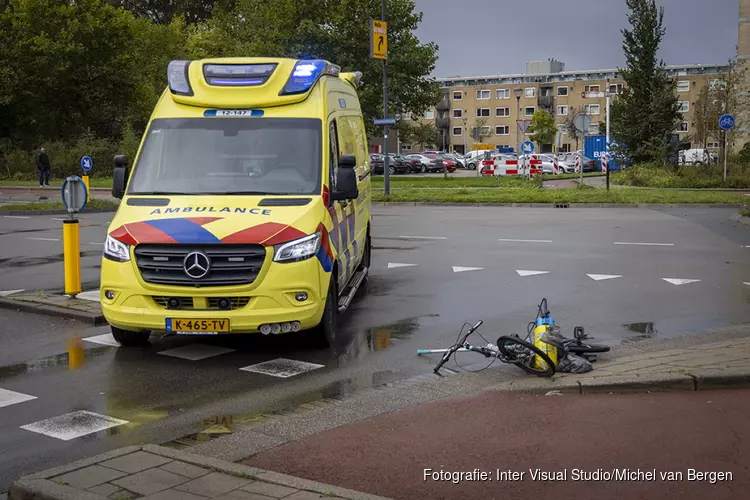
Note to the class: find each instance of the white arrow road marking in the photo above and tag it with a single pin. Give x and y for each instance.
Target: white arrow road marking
(458, 269)
(391, 265)
(43, 239)
(600, 277)
(679, 281)
(92, 295)
(530, 273)
(16, 217)
(644, 244)
(525, 241)
(5, 293)
(746, 283)
(425, 237)
(104, 339)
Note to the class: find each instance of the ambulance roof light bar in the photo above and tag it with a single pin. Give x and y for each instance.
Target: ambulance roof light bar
(306, 73)
(177, 76)
(238, 75)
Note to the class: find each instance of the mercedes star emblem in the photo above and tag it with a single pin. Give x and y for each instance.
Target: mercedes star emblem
(196, 265)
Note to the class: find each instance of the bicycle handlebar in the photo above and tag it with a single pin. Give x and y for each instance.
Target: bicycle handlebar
(456, 346)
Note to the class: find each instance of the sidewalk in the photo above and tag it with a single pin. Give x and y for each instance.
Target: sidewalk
(381, 439)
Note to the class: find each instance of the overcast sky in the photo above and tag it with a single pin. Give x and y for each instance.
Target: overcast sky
(488, 37)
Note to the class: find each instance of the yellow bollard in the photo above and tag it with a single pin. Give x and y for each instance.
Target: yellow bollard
(85, 179)
(72, 257)
(546, 348)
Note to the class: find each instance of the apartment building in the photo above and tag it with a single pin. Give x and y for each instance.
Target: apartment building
(500, 101)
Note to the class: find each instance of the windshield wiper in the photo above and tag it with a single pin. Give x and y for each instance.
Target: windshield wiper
(248, 193)
(152, 193)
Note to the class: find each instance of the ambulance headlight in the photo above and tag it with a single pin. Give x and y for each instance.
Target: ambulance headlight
(297, 250)
(177, 76)
(116, 250)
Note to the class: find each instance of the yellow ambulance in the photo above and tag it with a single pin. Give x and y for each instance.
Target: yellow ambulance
(248, 205)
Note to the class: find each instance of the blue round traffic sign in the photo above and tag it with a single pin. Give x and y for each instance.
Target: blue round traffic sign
(74, 194)
(87, 163)
(726, 122)
(527, 147)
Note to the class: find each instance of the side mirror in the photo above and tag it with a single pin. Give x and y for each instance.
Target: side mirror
(120, 177)
(346, 181)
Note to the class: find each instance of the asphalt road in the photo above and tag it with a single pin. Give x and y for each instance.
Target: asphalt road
(582, 437)
(433, 269)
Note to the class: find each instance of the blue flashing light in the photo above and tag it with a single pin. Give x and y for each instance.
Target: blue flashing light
(241, 82)
(177, 76)
(304, 76)
(238, 75)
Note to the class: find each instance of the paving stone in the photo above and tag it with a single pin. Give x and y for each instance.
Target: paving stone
(308, 495)
(124, 495)
(214, 484)
(89, 477)
(243, 495)
(268, 489)
(150, 481)
(105, 489)
(173, 495)
(136, 462)
(185, 469)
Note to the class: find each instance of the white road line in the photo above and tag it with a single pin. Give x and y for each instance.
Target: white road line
(8, 398)
(458, 269)
(600, 277)
(644, 244)
(425, 237)
(105, 339)
(16, 216)
(522, 272)
(282, 368)
(679, 281)
(95, 243)
(44, 239)
(525, 241)
(73, 425)
(5, 293)
(746, 283)
(92, 295)
(196, 352)
(392, 265)
(54, 218)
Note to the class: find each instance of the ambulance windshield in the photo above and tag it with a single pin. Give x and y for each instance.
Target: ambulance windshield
(230, 156)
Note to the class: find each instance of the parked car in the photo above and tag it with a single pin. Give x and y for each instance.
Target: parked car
(548, 164)
(697, 157)
(460, 162)
(415, 166)
(587, 163)
(430, 163)
(395, 166)
(443, 161)
(473, 158)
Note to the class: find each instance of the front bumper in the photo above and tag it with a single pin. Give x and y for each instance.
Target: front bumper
(269, 299)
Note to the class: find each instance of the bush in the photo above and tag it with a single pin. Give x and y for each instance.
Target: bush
(687, 176)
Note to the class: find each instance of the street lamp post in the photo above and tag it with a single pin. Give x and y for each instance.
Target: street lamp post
(465, 134)
(518, 91)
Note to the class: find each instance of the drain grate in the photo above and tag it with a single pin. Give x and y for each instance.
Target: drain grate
(562, 205)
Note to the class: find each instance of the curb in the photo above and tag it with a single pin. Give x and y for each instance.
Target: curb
(51, 310)
(741, 219)
(55, 212)
(33, 188)
(555, 205)
(40, 486)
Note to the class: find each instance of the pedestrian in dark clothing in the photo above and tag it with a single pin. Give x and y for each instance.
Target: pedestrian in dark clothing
(44, 167)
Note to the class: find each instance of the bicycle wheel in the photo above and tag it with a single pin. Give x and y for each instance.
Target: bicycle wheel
(522, 353)
(587, 349)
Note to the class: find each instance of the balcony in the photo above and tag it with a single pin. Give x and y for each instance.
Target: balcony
(443, 121)
(546, 102)
(444, 104)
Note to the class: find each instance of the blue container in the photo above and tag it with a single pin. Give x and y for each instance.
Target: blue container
(594, 146)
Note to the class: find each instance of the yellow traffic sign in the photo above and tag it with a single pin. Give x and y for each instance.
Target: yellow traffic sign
(378, 39)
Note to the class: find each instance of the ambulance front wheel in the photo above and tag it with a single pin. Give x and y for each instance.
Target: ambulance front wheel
(129, 338)
(324, 335)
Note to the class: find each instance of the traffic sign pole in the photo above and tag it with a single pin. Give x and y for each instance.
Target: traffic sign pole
(74, 197)
(385, 113)
(726, 123)
(606, 146)
(726, 150)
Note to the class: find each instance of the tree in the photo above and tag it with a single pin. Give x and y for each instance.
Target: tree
(569, 126)
(705, 117)
(480, 131)
(542, 129)
(166, 11)
(338, 31)
(646, 112)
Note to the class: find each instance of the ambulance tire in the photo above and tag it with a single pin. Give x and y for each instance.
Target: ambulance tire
(324, 335)
(128, 338)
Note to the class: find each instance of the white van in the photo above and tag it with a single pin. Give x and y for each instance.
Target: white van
(472, 158)
(697, 157)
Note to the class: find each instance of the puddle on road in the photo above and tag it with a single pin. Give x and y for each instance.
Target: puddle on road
(645, 331)
(65, 359)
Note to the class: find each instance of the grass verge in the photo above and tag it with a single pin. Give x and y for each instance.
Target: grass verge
(57, 205)
(689, 176)
(103, 182)
(629, 196)
(745, 211)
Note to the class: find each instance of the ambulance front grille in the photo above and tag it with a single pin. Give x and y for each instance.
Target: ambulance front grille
(229, 264)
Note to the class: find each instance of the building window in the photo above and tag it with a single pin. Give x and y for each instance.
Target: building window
(529, 110)
(483, 112)
(594, 129)
(683, 127)
(429, 115)
(502, 112)
(486, 131)
(591, 88)
(458, 131)
(458, 95)
(562, 91)
(458, 113)
(683, 86)
(530, 92)
(502, 130)
(502, 94)
(483, 94)
(562, 110)
(406, 147)
(591, 109)
(615, 88)
(713, 145)
(684, 106)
